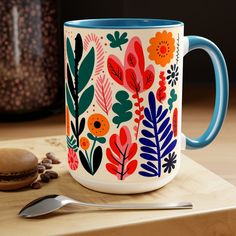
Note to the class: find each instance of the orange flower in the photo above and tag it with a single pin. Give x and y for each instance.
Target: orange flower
(84, 143)
(98, 124)
(161, 48)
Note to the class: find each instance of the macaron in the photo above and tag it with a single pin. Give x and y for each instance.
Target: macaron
(18, 168)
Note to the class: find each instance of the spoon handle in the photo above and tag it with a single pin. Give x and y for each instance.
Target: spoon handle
(141, 206)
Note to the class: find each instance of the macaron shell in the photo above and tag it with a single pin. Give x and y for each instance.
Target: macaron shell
(17, 184)
(15, 160)
(18, 168)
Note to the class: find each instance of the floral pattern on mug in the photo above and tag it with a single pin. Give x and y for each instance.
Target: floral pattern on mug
(162, 47)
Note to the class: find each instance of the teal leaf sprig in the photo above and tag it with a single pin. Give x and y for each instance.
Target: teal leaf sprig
(117, 40)
(122, 108)
(172, 99)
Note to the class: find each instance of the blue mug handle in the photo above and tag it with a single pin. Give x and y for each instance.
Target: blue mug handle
(222, 90)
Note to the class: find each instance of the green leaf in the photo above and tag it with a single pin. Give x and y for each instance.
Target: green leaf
(86, 99)
(110, 37)
(122, 108)
(101, 140)
(70, 56)
(117, 40)
(86, 69)
(90, 136)
(70, 101)
(172, 99)
(71, 143)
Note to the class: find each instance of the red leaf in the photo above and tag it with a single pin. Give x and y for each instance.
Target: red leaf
(131, 60)
(115, 69)
(131, 167)
(123, 136)
(111, 168)
(132, 151)
(175, 122)
(111, 157)
(131, 80)
(139, 52)
(148, 79)
(112, 142)
(119, 157)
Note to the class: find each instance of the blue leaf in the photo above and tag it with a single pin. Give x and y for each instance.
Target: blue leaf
(147, 142)
(147, 124)
(148, 157)
(159, 110)
(152, 103)
(146, 174)
(151, 164)
(165, 133)
(169, 148)
(167, 140)
(162, 116)
(147, 114)
(149, 169)
(147, 133)
(163, 125)
(148, 150)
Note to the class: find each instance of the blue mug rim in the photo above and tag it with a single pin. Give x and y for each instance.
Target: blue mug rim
(123, 23)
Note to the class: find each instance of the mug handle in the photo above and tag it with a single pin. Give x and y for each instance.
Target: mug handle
(222, 91)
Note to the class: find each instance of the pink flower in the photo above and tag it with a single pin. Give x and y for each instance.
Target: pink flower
(72, 159)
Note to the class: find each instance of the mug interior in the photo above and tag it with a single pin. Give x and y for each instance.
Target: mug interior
(123, 23)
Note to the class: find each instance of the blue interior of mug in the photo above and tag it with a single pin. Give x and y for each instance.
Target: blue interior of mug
(123, 23)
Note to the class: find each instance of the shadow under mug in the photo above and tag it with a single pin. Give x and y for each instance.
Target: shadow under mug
(123, 86)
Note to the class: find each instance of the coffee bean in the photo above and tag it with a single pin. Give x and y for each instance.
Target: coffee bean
(52, 174)
(46, 160)
(45, 178)
(52, 156)
(36, 185)
(41, 168)
(47, 165)
(56, 161)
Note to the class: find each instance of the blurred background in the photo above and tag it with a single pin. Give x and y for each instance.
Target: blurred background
(31, 68)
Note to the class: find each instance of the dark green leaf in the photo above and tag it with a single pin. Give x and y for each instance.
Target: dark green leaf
(78, 48)
(110, 37)
(101, 140)
(86, 99)
(70, 56)
(90, 136)
(70, 101)
(122, 108)
(117, 40)
(70, 83)
(86, 69)
(73, 128)
(97, 158)
(81, 126)
(84, 162)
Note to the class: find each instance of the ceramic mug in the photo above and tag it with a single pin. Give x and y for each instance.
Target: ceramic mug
(123, 83)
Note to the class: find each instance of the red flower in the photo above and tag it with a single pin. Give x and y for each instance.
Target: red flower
(72, 159)
(133, 75)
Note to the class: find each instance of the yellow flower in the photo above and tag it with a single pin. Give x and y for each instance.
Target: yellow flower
(84, 143)
(98, 124)
(161, 48)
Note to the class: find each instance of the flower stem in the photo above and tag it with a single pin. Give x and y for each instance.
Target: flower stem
(91, 154)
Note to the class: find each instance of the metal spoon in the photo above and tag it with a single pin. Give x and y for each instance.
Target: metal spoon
(50, 203)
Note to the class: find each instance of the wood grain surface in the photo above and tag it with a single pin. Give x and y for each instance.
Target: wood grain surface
(214, 201)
